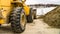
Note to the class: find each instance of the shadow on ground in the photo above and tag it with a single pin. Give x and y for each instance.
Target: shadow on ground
(6, 30)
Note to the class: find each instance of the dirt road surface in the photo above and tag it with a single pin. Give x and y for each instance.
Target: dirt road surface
(37, 27)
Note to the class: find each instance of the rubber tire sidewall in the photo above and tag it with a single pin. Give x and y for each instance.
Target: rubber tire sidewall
(29, 17)
(15, 23)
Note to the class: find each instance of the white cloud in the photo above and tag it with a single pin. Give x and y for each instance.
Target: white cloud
(43, 2)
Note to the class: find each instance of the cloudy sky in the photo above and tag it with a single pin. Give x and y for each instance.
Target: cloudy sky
(42, 2)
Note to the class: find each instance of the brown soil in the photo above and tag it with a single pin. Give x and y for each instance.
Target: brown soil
(52, 18)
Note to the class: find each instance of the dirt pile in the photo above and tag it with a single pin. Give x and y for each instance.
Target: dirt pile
(52, 18)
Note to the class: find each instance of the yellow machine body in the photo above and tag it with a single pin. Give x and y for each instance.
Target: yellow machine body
(6, 8)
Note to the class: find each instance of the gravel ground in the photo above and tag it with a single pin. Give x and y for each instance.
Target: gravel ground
(37, 27)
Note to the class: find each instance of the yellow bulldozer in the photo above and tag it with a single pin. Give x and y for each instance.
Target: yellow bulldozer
(17, 13)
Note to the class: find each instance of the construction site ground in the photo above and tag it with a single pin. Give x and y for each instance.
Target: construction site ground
(37, 27)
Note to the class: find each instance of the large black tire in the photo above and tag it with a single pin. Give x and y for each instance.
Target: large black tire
(18, 20)
(30, 17)
(34, 13)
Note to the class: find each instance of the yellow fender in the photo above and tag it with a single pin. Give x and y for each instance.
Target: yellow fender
(26, 9)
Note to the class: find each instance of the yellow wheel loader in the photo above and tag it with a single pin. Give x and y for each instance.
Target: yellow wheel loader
(15, 12)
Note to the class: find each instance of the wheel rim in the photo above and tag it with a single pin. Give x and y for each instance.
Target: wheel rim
(22, 20)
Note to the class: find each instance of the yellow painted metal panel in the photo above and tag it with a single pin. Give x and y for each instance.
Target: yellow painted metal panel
(26, 9)
(5, 2)
(5, 13)
(2, 21)
(5, 5)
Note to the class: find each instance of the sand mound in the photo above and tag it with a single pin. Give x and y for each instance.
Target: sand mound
(52, 18)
